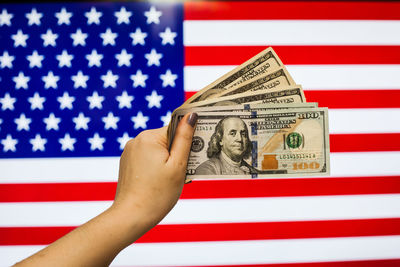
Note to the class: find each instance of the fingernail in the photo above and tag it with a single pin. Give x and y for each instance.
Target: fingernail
(192, 119)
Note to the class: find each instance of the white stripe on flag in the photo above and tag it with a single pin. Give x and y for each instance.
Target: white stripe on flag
(53, 170)
(290, 32)
(190, 211)
(356, 121)
(106, 170)
(241, 252)
(257, 252)
(311, 77)
(365, 164)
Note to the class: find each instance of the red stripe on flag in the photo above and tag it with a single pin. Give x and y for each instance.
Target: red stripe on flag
(44, 192)
(222, 231)
(292, 187)
(251, 10)
(349, 98)
(272, 230)
(11, 236)
(189, 94)
(364, 142)
(209, 189)
(293, 55)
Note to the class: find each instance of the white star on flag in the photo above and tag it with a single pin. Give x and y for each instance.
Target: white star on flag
(94, 58)
(6, 60)
(123, 140)
(93, 16)
(50, 80)
(68, 68)
(9, 143)
(20, 38)
(108, 37)
(49, 38)
(154, 100)
(80, 80)
(35, 60)
(139, 79)
(124, 58)
(67, 143)
(168, 36)
(110, 121)
(21, 81)
(36, 101)
(81, 122)
(22, 122)
(168, 78)
(124, 100)
(96, 142)
(138, 37)
(123, 15)
(79, 38)
(5, 18)
(153, 15)
(34, 17)
(63, 17)
(166, 118)
(52, 122)
(66, 101)
(38, 143)
(140, 121)
(64, 59)
(153, 58)
(95, 101)
(7, 102)
(109, 80)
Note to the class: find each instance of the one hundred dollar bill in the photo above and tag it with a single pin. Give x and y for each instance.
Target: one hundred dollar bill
(278, 79)
(286, 96)
(254, 107)
(247, 107)
(266, 83)
(265, 62)
(250, 144)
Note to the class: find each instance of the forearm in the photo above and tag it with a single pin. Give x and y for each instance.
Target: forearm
(95, 243)
(149, 185)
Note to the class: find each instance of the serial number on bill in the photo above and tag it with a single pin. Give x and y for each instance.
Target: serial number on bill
(298, 156)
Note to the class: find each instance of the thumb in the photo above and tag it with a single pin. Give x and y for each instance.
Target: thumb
(183, 140)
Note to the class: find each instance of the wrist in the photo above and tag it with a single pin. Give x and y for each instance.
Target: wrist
(130, 220)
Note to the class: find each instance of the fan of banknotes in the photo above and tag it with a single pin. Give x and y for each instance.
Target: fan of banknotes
(253, 122)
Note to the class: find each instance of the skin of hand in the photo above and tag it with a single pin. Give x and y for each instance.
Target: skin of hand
(150, 182)
(151, 178)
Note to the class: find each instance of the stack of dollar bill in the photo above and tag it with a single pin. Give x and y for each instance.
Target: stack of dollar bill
(253, 122)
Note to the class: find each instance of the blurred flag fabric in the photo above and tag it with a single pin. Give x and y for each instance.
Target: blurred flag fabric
(77, 80)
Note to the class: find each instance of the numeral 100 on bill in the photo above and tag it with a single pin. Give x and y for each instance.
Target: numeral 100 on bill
(304, 165)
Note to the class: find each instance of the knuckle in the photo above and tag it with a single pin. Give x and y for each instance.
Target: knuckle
(144, 137)
(130, 144)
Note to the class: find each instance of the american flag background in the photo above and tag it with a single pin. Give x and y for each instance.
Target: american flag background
(77, 80)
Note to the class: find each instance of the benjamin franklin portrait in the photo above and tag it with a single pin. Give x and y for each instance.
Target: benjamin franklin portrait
(228, 147)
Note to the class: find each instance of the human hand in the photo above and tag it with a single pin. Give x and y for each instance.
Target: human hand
(151, 178)
(149, 185)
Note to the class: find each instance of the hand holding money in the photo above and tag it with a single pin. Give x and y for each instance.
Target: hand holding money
(254, 122)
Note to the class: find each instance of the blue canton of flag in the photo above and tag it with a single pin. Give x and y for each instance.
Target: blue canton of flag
(80, 79)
